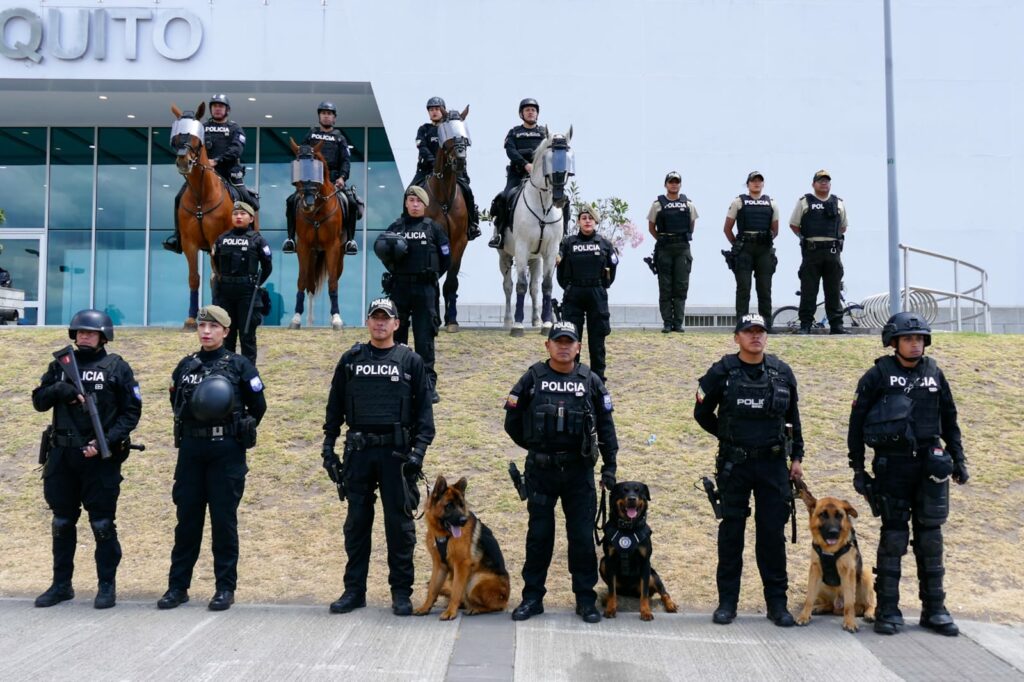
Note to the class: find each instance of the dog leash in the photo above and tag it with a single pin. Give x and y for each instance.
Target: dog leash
(601, 518)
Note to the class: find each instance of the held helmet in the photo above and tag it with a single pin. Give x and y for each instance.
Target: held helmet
(391, 248)
(213, 400)
(220, 98)
(92, 320)
(528, 102)
(326, 106)
(906, 324)
(436, 102)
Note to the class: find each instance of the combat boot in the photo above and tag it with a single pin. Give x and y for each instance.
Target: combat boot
(725, 613)
(528, 608)
(930, 574)
(891, 548)
(401, 605)
(106, 595)
(55, 594)
(347, 602)
(588, 612)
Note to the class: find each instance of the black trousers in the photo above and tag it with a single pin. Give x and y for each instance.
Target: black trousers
(674, 263)
(590, 303)
(209, 474)
(72, 481)
(366, 471)
(768, 479)
(575, 486)
(417, 302)
(236, 299)
(825, 265)
(756, 260)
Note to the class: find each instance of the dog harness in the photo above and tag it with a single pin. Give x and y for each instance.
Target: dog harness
(830, 574)
(442, 547)
(626, 540)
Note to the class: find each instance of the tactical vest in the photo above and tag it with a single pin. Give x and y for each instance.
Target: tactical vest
(822, 218)
(378, 391)
(526, 140)
(218, 136)
(98, 380)
(755, 215)
(422, 256)
(829, 568)
(191, 377)
(238, 254)
(674, 217)
(332, 139)
(752, 412)
(554, 419)
(906, 415)
(428, 134)
(586, 258)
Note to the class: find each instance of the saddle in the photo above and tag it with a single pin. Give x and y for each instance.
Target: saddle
(504, 205)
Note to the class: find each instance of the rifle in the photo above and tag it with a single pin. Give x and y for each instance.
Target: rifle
(517, 480)
(66, 359)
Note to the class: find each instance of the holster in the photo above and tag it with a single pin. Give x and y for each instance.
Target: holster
(591, 449)
(45, 443)
(177, 432)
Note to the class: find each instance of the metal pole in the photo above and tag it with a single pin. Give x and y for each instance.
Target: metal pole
(956, 288)
(890, 154)
(906, 284)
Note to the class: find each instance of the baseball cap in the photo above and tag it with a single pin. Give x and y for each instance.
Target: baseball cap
(822, 174)
(564, 329)
(385, 304)
(673, 175)
(748, 321)
(755, 174)
(419, 192)
(214, 313)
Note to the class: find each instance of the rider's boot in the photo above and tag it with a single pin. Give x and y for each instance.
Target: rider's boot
(173, 243)
(498, 219)
(289, 212)
(473, 228)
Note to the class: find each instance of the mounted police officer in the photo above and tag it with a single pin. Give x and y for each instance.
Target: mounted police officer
(335, 151)
(819, 219)
(586, 268)
(225, 144)
(427, 144)
(218, 401)
(381, 390)
(520, 143)
(902, 409)
(242, 263)
(757, 424)
(415, 251)
(756, 216)
(74, 476)
(561, 414)
(671, 221)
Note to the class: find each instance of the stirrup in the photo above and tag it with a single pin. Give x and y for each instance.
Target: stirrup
(351, 248)
(172, 244)
(288, 246)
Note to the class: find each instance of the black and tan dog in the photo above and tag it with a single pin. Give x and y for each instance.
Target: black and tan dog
(838, 582)
(626, 564)
(468, 565)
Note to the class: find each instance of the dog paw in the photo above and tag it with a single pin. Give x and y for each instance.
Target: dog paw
(449, 614)
(421, 611)
(646, 615)
(670, 606)
(803, 619)
(869, 617)
(850, 627)
(609, 613)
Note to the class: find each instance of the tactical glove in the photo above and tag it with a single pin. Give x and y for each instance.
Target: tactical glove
(860, 482)
(607, 479)
(64, 392)
(414, 462)
(333, 466)
(960, 474)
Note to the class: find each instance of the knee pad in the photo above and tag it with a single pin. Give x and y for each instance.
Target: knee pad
(103, 529)
(62, 527)
(928, 542)
(894, 542)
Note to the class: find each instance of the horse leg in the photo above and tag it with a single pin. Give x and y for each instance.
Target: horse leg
(333, 273)
(505, 265)
(521, 286)
(451, 296)
(535, 272)
(300, 307)
(192, 257)
(547, 286)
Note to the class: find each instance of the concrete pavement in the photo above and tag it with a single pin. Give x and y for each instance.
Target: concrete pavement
(135, 641)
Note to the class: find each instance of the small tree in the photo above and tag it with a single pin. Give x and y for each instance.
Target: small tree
(615, 225)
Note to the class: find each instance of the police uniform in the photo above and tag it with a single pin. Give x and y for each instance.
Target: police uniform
(414, 276)
(754, 403)
(218, 401)
(553, 416)
(821, 224)
(383, 394)
(428, 144)
(244, 263)
(70, 479)
(755, 257)
(520, 143)
(673, 221)
(902, 412)
(586, 268)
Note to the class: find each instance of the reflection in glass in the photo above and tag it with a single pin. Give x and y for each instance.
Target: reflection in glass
(21, 259)
(23, 176)
(71, 176)
(168, 282)
(67, 282)
(120, 271)
(121, 179)
(166, 181)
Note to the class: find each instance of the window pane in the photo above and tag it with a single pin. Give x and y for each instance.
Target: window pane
(168, 282)
(21, 260)
(121, 178)
(166, 182)
(67, 281)
(71, 175)
(23, 176)
(120, 274)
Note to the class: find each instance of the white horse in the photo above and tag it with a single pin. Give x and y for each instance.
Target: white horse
(537, 232)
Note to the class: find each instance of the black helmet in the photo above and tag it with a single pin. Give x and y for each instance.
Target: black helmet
(92, 320)
(221, 98)
(213, 400)
(436, 102)
(905, 324)
(391, 248)
(528, 102)
(327, 106)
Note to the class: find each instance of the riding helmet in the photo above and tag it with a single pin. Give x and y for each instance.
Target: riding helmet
(221, 98)
(528, 102)
(327, 106)
(436, 102)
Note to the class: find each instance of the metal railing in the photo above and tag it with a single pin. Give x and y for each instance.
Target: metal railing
(979, 307)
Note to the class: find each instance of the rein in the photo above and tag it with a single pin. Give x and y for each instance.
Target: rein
(540, 220)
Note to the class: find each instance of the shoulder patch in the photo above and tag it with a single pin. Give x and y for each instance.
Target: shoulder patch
(607, 402)
(615, 258)
(241, 137)
(512, 401)
(137, 392)
(266, 249)
(446, 249)
(700, 393)
(256, 384)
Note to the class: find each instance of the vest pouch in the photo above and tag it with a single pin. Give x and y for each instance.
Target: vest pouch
(245, 432)
(45, 443)
(890, 423)
(932, 507)
(781, 396)
(544, 419)
(939, 464)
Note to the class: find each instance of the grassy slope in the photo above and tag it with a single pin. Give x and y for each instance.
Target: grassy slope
(290, 518)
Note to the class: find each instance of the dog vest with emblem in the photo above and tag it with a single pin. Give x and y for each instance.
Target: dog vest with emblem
(626, 541)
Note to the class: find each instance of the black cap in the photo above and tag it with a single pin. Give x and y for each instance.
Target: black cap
(748, 321)
(385, 304)
(673, 175)
(564, 329)
(754, 174)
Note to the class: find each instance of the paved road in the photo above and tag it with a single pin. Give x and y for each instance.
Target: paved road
(135, 641)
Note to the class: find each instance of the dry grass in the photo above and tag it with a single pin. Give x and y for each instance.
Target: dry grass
(290, 519)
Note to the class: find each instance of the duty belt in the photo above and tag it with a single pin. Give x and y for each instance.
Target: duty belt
(672, 238)
(561, 459)
(418, 277)
(919, 451)
(736, 453)
(587, 282)
(821, 244)
(757, 236)
(360, 441)
(237, 279)
(67, 439)
(209, 432)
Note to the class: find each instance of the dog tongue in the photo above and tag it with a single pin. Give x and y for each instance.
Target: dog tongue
(831, 541)
(631, 512)
(456, 531)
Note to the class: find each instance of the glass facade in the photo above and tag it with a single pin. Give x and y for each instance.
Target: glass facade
(100, 201)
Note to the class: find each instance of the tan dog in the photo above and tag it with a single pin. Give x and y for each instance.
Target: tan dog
(838, 582)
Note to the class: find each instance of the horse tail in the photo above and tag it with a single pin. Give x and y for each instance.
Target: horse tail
(317, 273)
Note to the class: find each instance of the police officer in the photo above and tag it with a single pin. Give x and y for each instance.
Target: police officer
(671, 221)
(819, 219)
(225, 143)
(756, 216)
(561, 413)
(336, 152)
(902, 408)
(415, 251)
(520, 143)
(243, 262)
(427, 143)
(757, 423)
(381, 390)
(217, 398)
(586, 268)
(74, 476)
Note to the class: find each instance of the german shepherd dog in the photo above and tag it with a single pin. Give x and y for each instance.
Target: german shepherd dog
(838, 582)
(468, 565)
(626, 564)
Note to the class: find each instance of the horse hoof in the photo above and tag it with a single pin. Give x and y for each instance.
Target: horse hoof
(294, 325)
(545, 328)
(452, 327)
(516, 331)
(336, 323)
(190, 325)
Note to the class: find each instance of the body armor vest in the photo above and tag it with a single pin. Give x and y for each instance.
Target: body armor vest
(422, 254)
(586, 259)
(217, 137)
(526, 140)
(378, 391)
(755, 215)
(822, 217)
(906, 415)
(753, 411)
(98, 381)
(674, 217)
(554, 420)
(193, 375)
(333, 140)
(237, 254)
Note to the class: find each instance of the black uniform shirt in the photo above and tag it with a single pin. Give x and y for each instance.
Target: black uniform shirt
(250, 386)
(255, 246)
(335, 150)
(582, 259)
(427, 144)
(225, 143)
(520, 143)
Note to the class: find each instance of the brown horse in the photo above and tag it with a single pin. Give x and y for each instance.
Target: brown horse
(318, 226)
(448, 205)
(205, 209)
